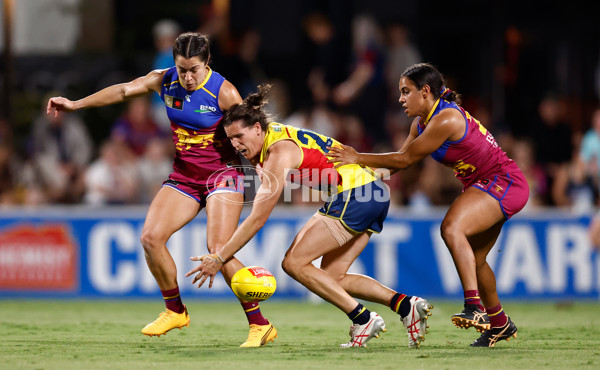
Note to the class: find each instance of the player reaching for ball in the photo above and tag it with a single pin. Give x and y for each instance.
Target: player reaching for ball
(338, 232)
(195, 97)
(494, 190)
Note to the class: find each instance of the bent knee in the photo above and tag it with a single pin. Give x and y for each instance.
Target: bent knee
(293, 266)
(288, 266)
(215, 247)
(450, 231)
(152, 240)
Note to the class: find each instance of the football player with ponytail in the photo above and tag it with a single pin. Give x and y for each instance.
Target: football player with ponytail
(494, 190)
(356, 208)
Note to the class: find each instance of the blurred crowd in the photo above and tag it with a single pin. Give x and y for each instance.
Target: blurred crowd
(355, 102)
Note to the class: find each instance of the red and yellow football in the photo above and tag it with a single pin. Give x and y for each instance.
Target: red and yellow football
(253, 283)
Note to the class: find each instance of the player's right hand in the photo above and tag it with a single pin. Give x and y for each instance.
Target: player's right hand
(59, 103)
(211, 264)
(342, 155)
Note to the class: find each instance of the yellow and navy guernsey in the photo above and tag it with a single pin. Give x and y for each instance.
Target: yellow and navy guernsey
(202, 148)
(358, 198)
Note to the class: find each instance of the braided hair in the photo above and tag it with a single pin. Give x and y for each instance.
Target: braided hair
(192, 44)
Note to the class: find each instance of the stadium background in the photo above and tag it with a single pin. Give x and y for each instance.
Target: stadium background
(505, 57)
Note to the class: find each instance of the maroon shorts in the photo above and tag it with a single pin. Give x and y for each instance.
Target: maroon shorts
(226, 180)
(510, 189)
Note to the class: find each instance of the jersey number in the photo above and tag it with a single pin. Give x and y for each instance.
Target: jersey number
(303, 136)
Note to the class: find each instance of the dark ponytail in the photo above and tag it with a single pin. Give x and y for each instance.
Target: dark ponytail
(250, 110)
(426, 74)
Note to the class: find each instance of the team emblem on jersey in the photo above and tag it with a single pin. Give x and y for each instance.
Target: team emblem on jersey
(174, 102)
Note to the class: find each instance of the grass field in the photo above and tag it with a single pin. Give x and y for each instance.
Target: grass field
(45, 334)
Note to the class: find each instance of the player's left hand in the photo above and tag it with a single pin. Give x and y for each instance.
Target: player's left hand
(342, 156)
(211, 264)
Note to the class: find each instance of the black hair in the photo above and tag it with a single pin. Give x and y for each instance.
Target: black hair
(426, 74)
(250, 110)
(192, 44)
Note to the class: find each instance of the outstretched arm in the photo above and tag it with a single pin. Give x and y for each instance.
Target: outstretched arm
(111, 95)
(440, 129)
(282, 157)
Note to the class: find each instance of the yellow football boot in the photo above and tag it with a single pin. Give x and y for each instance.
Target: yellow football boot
(259, 335)
(166, 321)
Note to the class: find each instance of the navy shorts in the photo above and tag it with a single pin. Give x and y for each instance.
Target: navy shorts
(360, 209)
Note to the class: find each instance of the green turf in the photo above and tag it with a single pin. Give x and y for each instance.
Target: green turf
(106, 335)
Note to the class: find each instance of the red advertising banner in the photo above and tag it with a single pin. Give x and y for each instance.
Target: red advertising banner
(38, 258)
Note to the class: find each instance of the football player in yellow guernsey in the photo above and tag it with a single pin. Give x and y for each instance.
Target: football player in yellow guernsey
(357, 206)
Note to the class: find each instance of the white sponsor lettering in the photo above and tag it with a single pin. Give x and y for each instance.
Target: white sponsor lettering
(520, 261)
(386, 252)
(554, 259)
(448, 275)
(103, 237)
(569, 249)
(207, 108)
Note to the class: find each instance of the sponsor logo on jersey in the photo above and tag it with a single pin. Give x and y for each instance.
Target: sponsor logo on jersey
(174, 102)
(206, 109)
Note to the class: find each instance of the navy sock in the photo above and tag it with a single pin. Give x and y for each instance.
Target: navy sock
(400, 304)
(360, 315)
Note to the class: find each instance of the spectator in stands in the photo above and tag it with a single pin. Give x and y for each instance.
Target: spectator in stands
(590, 148)
(60, 148)
(363, 92)
(153, 167)
(401, 54)
(135, 128)
(8, 172)
(244, 67)
(554, 147)
(323, 56)
(353, 133)
(111, 179)
(164, 32)
(589, 156)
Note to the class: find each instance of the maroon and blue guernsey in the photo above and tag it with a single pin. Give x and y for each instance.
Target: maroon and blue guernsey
(476, 155)
(202, 148)
(478, 161)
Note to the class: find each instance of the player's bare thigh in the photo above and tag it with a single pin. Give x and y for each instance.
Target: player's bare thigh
(222, 217)
(338, 261)
(312, 241)
(169, 211)
(473, 212)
